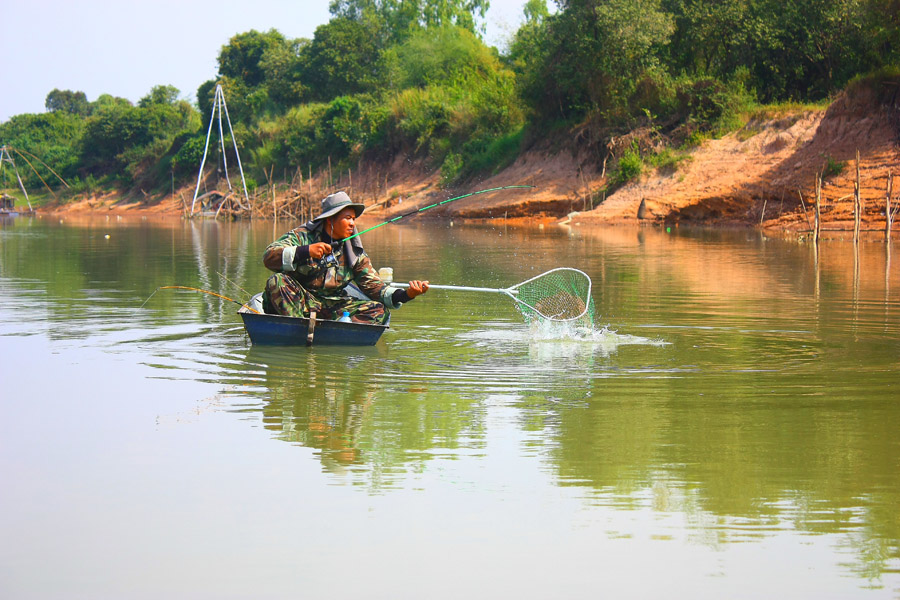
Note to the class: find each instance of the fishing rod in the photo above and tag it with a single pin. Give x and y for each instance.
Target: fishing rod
(424, 208)
(193, 289)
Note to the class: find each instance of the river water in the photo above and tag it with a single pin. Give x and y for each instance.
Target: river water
(729, 429)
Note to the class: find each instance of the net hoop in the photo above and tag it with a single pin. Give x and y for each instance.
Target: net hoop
(585, 297)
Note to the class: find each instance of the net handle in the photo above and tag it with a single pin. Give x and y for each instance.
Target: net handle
(510, 291)
(462, 288)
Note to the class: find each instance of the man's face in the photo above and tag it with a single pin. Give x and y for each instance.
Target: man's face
(341, 225)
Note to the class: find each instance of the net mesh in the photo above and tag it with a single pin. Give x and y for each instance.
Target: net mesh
(559, 295)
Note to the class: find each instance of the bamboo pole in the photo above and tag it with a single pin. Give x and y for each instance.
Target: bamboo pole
(803, 205)
(888, 214)
(586, 190)
(818, 205)
(857, 203)
(762, 214)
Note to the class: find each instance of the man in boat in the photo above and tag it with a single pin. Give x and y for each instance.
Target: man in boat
(314, 264)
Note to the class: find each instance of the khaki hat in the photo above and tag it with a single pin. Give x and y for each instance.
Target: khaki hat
(337, 202)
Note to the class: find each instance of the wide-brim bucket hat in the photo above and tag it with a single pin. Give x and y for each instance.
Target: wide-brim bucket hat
(337, 202)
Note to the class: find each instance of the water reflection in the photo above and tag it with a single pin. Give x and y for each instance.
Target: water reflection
(743, 384)
(357, 421)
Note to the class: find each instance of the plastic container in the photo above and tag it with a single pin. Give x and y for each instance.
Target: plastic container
(345, 318)
(386, 274)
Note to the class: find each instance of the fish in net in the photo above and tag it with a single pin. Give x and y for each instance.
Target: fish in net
(562, 295)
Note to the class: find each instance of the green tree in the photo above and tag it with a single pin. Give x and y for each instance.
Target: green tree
(399, 18)
(54, 137)
(440, 55)
(68, 101)
(526, 50)
(283, 67)
(104, 101)
(126, 141)
(593, 53)
(241, 58)
(160, 94)
(342, 59)
(802, 49)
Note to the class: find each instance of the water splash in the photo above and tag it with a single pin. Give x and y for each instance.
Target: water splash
(553, 331)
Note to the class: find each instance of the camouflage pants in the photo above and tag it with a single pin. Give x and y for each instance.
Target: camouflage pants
(284, 296)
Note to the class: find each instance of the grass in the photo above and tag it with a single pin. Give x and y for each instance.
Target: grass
(779, 110)
(668, 159)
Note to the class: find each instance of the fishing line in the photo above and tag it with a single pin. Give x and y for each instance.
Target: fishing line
(424, 208)
(193, 289)
(222, 275)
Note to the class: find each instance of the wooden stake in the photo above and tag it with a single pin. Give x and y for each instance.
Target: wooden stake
(274, 206)
(888, 214)
(857, 203)
(762, 215)
(818, 205)
(586, 190)
(803, 205)
(330, 179)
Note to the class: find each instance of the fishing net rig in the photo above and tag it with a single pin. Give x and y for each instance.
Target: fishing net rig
(6, 157)
(220, 107)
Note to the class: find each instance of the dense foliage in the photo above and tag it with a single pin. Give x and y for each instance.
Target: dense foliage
(413, 76)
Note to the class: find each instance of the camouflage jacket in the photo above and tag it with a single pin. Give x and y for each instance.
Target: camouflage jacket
(289, 254)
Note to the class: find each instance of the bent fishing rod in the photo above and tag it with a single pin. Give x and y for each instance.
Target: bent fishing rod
(424, 208)
(193, 289)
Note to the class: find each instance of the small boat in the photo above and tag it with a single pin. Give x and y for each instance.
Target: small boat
(267, 329)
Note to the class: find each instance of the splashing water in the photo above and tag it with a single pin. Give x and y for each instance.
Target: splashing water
(543, 330)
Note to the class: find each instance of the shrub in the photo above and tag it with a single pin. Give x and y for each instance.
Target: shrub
(630, 165)
(832, 167)
(451, 169)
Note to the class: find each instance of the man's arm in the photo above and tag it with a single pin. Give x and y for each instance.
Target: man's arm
(292, 251)
(367, 279)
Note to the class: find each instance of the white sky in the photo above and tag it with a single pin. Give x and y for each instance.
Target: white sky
(126, 47)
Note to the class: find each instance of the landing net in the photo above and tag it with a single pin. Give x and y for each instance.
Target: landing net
(562, 295)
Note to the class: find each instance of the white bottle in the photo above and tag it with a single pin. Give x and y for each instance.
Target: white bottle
(345, 318)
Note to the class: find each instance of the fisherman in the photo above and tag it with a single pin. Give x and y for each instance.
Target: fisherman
(315, 263)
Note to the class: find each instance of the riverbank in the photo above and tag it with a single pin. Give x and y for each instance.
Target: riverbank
(762, 175)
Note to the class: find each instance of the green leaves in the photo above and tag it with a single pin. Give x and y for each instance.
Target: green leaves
(68, 101)
(343, 59)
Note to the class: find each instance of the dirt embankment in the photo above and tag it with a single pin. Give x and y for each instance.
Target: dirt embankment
(758, 175)
(754, 176)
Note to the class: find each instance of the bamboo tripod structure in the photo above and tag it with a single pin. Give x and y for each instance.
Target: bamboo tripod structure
(220, 106)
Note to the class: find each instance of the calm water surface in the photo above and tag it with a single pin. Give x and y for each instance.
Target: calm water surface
(729, 430)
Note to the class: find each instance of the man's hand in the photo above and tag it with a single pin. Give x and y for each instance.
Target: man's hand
(416, 288)
(319, 249)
